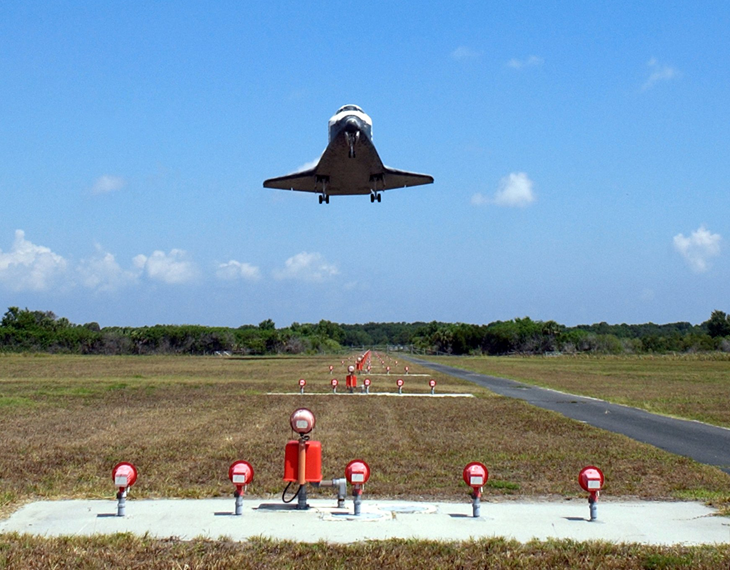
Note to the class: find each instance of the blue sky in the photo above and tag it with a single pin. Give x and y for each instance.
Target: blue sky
(580, 154)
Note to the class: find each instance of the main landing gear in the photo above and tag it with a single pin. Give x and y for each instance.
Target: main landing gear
(323, 197)
(375, 197)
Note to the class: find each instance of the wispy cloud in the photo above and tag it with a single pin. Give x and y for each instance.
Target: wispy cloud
(310, 267)
(107, 183)
(659, 72)
(234, 270)
(698, 248)
(514, 191)
(463, 53)
(308, 165)
(531, 61)
(173, 268)
(30, 267)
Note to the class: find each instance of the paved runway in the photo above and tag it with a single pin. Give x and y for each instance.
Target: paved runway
(702, 442)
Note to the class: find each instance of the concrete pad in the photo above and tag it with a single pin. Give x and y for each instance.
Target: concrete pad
(397, 375)
(395, 394)
(642, 522)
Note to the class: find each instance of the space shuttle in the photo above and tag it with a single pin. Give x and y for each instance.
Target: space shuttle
(350, 165)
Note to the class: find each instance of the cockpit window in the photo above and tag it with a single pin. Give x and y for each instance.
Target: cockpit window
(348, 108)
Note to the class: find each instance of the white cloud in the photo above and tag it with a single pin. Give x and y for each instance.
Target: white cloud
(30, 267)
(463, 53)
(173, 268)
(236, 270)
(515, 191)
(107, 183)
(659, 72)
(305, 266)
(102, 272)
(531, 61)
(698, 248)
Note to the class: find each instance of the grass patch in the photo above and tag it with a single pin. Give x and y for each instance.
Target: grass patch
(128, 551)
(15, 402)
(188, 418)
(504, 485)
(206, 412)
(689, 386)
(659, 561)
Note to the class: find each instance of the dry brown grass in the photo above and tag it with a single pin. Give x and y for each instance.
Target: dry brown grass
(690, 386)
(128, 551)
(66, 420)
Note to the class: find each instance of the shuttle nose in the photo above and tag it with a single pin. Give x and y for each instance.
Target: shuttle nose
(352, 125)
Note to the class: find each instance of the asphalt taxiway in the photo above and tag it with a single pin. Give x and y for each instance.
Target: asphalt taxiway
(702, 442)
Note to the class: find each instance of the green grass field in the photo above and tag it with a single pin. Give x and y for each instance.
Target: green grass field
(66, 420)
(694, 387)
(128, 551)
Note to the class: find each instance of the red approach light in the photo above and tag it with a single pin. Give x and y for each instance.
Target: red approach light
(124, 475)
(302, 421)
(432, 383)
(240, 474)
(591, 479)
(367, 382)
(399, 382)
(475, 475)
(357, 472)
(302, 382)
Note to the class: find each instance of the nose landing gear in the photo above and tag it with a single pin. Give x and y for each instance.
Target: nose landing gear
(375, 196)
(352, 139)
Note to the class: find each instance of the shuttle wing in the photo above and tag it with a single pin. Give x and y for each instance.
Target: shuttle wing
(304, 180)
(394, 178)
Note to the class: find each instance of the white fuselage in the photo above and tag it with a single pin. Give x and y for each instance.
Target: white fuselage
(353, 116)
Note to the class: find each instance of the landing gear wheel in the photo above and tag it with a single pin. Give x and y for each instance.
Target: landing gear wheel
(372, 198)
(326, 199)
(379, 197)
(321, 198)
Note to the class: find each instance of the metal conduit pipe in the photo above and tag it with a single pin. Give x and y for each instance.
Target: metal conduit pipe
(122, 503)
(341, 485)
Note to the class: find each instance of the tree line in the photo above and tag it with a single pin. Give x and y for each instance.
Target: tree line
(25, 330)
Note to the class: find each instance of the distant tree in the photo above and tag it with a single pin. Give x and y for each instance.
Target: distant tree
(267, 325)
(26, 319)
(328, 329)
(718, 325)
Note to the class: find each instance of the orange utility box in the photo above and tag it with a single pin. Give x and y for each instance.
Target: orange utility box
(313, 468)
